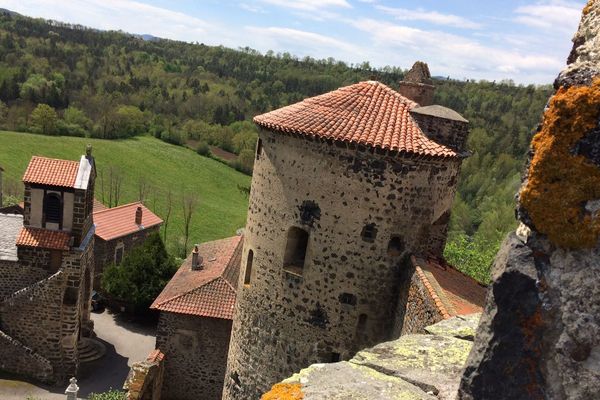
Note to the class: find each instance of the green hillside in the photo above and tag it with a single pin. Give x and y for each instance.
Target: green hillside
(221, 208)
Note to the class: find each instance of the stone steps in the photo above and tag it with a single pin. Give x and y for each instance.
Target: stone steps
(90, 350)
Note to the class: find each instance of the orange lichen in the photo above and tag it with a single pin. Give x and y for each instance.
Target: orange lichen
(284, 391)
(588, 7)
(560, 182)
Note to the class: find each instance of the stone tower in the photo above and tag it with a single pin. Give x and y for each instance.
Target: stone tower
(346, 185)
(45, 286)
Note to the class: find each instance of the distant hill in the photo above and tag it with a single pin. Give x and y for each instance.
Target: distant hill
(157, 165)
(114, 85)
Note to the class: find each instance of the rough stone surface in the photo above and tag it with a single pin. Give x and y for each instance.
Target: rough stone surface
(462, 327)
(539, 337)
(196, 355)
(412, 367)
(10, 226)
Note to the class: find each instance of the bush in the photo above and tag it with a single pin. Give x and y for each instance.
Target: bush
(142, 275)
(110, 395)
(66, 129)
(203, 149)
(473, 257)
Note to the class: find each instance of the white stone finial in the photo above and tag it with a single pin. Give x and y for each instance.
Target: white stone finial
(72, 389)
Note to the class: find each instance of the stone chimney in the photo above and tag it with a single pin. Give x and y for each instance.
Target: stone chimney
(196, 259)
(138, 215)
(417, 85)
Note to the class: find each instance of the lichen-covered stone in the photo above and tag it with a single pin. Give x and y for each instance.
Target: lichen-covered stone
(461, 326)
(346, 380)
(431, 362)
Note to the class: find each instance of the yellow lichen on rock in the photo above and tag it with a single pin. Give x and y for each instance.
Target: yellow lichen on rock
(559, 182)
(588, 7)
(284, 391)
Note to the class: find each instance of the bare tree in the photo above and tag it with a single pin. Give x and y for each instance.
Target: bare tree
(115, 182)
(190, 201)
(167, 215)
(143, 188)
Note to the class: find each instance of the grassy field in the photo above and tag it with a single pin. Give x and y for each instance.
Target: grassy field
(221, 209)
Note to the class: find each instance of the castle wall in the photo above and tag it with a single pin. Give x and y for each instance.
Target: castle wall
(195, 351)
(18, 359)
(345, 297)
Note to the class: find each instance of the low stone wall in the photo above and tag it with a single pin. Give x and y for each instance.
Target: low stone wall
(19, 359)
(419, 367)
(145, 378)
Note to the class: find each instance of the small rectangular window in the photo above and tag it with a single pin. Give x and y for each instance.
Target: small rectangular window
(118, 255)
(335, 357)
(295, 250)
(347, 298)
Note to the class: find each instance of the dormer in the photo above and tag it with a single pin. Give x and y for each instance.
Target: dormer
(59, 195)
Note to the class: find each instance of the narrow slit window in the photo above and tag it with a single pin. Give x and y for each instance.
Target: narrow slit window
(248, 273)
(295, 250)
(258, 148)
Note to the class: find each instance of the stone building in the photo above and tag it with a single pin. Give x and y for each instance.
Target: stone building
(118, 230)
(194, 328)
(346, 187)
(46, 270)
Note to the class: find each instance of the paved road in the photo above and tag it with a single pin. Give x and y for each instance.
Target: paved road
(126, 342)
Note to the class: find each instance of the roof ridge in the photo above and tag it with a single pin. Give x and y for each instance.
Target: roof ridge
(55, 159)
(119, 207)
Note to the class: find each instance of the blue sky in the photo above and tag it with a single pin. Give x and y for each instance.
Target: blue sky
(524, 40)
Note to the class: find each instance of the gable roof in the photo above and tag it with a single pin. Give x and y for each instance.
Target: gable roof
(52, 172)
(113, 223)
(453, 292)
(210, 291)
(366, 113)
(44, 238)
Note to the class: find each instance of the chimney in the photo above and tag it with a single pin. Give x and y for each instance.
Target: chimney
(138, 215)
(417, 85)
(196, 259)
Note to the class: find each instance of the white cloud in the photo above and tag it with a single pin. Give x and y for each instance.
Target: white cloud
(251, 7)
(305, 43)
(309, 5)
(554, 15)
(434, 17)
(455, 55)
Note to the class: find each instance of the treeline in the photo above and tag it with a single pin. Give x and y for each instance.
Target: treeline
(66, 79)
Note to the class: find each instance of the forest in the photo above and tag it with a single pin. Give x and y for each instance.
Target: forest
(69, 80)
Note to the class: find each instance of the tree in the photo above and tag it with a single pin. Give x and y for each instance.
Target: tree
(75, 116)
(142, 274)
(3, 112)
(43, 119)
(190, 201)
(169, 207)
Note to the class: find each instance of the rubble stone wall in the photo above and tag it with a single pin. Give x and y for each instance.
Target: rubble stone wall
(14, 276)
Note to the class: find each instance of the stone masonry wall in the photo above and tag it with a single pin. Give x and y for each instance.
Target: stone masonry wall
(195, 351)
(13, 277)
(18, 359)
(346, 298)
(104, 251)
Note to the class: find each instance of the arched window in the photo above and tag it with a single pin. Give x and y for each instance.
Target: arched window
(295, 250)
(52, 208)
(248, 273)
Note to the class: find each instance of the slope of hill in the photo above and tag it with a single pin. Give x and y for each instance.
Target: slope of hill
(158, 166)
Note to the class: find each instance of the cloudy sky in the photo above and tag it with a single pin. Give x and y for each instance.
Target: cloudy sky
(524, 40)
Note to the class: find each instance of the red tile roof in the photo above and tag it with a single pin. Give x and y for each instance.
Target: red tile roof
(210, 291)
(98, 206)
(50, 171)
(44, 238)
(113, 223)
(367, 113)
(453, 292)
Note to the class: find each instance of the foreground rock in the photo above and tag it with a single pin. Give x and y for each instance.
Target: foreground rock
(539, 336)
(412, 367)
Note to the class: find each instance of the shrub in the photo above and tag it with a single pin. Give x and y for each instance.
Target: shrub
(203, 149)
(110, 395)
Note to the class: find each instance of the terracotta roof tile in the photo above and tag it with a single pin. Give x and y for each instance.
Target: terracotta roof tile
(50, 171)
(44, 238)
(367, 113)
(455, 292)
(116, 222)
(210, 291)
